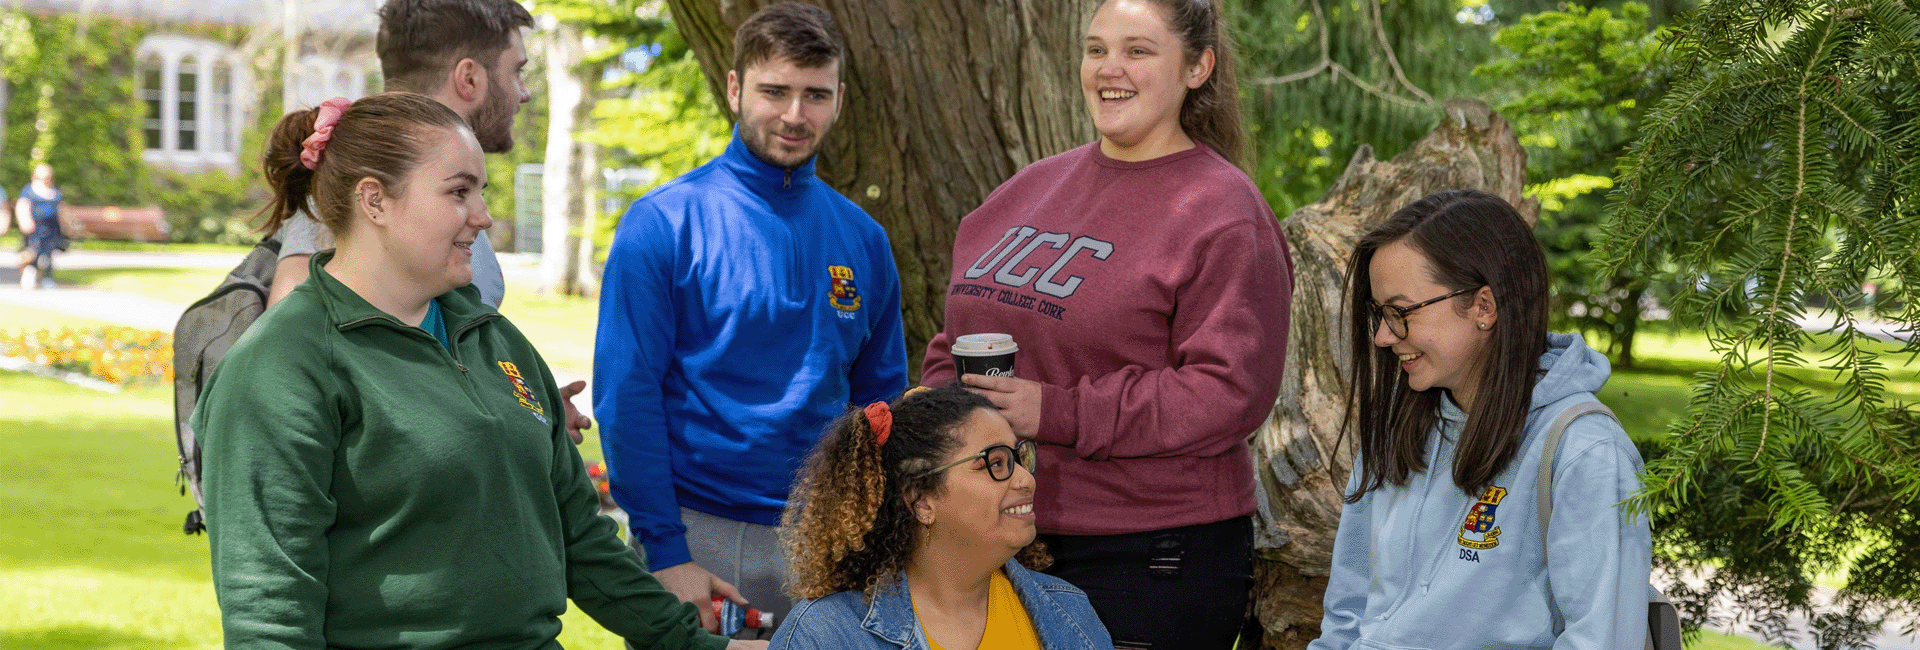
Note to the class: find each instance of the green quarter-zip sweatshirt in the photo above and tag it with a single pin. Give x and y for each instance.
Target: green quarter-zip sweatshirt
(368, 487)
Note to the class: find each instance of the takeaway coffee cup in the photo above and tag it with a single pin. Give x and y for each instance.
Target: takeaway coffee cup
(985, 354)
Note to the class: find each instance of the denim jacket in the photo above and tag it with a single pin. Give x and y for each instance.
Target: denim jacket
(1061, 614)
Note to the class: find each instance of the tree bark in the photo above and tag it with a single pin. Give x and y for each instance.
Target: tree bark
(1301, 458)
(945, 100)
(565, 201)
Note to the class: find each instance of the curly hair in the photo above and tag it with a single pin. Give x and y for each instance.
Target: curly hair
(848, 526)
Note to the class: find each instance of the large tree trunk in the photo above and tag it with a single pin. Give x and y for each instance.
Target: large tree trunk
(565, 200)
(1303, 460)
(945, 100)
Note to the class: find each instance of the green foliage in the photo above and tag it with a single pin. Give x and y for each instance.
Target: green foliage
(1319, 78)
(664, 121)
(660, 118)
(1783, 169)
(1585, 79)
(72, 105)
(209, 207)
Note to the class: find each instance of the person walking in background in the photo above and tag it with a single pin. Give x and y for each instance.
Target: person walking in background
(383, 467)
(904, 529)
(744, 306)
(1149, 291)
(38, 212)
(1456, 382)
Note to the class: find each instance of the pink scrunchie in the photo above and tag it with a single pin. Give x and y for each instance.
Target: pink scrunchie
(325, 116)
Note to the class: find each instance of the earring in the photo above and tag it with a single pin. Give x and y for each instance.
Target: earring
(1483, 326)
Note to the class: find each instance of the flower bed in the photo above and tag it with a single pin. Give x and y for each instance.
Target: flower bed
(120, 355)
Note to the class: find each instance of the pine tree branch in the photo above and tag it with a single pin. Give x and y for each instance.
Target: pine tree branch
(1327, 64)
(1380, 33)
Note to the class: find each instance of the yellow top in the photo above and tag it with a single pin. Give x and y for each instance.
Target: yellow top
(1008, 625)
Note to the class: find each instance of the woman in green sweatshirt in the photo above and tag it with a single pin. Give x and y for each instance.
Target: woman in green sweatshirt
(385, 459)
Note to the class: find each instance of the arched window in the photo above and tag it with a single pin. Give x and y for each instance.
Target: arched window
(193, 91)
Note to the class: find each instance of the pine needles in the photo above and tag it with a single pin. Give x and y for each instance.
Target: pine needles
(1783, 172)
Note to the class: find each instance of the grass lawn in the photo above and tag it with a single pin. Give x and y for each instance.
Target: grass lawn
(144, 247)
(1709, 640)
(18, 318)
(561, 327)
(174, 285)
(91, 551)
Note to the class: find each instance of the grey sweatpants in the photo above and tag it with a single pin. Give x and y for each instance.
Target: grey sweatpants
(748, 556)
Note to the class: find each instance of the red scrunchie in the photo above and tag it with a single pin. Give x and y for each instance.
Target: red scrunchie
(880, 420)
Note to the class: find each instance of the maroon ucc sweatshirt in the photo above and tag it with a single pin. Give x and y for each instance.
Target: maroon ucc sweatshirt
(1151, 299)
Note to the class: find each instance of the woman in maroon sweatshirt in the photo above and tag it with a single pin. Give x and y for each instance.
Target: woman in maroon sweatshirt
(1147, 285)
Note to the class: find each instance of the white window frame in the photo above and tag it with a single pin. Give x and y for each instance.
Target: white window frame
(217, 123)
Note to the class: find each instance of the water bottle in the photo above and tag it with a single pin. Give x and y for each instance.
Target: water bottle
(734, 618)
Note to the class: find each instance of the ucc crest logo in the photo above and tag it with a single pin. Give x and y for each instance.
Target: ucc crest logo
(1479, 521)
(843, 294)
(520, 391)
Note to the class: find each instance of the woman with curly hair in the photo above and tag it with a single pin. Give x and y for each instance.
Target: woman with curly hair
(904, 529)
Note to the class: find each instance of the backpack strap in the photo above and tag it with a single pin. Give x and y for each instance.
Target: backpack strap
(1544, 488)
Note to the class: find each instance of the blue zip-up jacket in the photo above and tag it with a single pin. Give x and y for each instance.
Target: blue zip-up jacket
(1423, 565)
(743, 308)
(848, 621)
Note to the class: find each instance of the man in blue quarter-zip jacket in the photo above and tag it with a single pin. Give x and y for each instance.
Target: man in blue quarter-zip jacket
(745, 306)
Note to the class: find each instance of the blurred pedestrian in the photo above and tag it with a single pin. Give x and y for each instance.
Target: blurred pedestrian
(38, 212)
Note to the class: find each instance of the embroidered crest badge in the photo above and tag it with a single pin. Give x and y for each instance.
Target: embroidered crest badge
(1479, 523)
(522, 392)
(843, 294)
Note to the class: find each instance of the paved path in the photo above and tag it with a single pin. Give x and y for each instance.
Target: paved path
(150, 313)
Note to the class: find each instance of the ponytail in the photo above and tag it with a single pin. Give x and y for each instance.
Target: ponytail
(292, 181)
(849, 525)
(1211, 113)
(383, 137)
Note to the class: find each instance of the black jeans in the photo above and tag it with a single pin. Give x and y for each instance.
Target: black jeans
(1181, 587)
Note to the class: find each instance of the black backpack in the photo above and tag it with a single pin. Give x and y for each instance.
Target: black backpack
(207, 329)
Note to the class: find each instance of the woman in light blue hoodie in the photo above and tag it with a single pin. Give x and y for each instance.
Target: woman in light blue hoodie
(1456, 382)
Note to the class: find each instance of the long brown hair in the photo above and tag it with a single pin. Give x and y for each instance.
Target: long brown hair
(1470, 239)
(381, 136)
(1210, 113)
(848, 525)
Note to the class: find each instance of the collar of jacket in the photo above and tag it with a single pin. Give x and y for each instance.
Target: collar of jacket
(890, 614)
(764, 179)
(460, 307)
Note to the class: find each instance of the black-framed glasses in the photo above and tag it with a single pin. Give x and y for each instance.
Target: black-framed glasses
(1000, 460)
(1396, 317)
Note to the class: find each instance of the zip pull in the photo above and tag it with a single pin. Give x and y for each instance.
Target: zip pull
(461, 366)
(788, 183)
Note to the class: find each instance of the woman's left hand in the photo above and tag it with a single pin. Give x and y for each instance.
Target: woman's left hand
(1018, 400)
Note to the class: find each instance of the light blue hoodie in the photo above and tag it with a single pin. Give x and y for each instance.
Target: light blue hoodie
(1424, 565)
